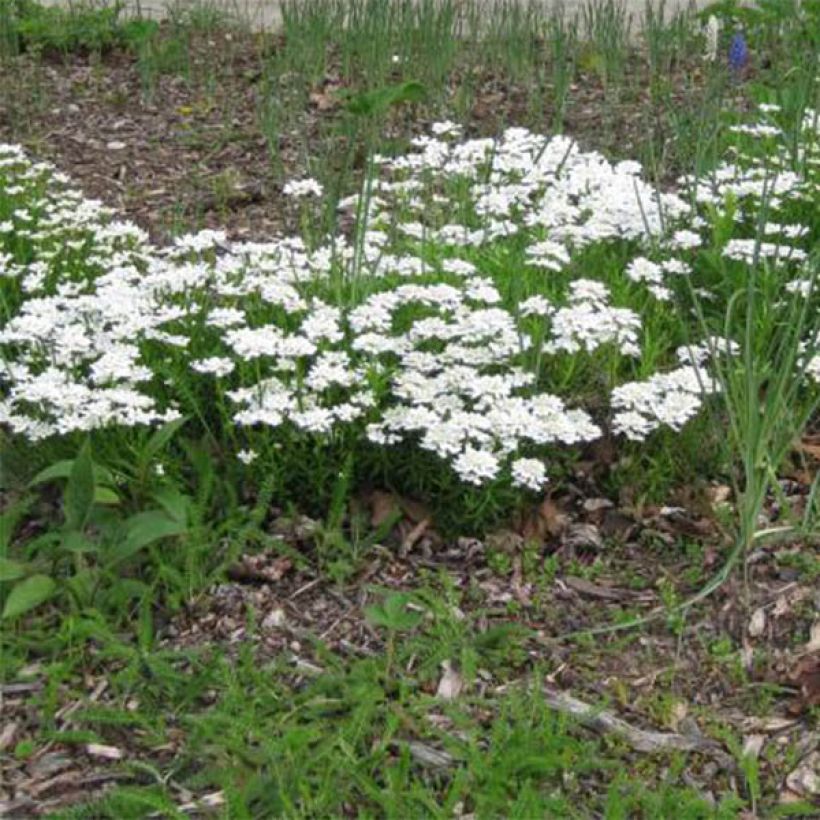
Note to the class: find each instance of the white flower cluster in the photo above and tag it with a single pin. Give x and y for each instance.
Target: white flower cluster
(663, 400)
(401, 335)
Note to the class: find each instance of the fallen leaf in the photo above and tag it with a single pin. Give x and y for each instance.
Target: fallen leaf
(786, 602)
(757, 623)
(275, 619)
(547, 520)
(677, 713)
(212, 800)
(584, 587)
(769, 725)
(383, 507)
(719, 495)
(813, 644)
(806, 676)
(107, 752)
(752, 745)
(260, 568)
(7, 735)
(451, 682)
(413, 536)
(324, 101)
(805, 779)
(811, 446)
(593, 505)
(582, 537)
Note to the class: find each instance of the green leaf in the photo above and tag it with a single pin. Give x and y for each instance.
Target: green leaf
(174, 502)
(28, 594)
(9, 521)
(75, 541)
(160, 439)
(11, 570)
(379, 100)
(393, 613)
(62, 469)
(105, 495)
(143, 529)
(79, 492)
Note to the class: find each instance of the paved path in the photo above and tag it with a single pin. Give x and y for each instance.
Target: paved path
(265, 14)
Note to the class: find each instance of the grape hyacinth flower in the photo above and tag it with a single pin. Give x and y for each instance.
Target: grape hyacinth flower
(738, 54)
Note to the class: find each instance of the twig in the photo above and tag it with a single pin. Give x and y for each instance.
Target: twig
(642, 740)
(600, 720)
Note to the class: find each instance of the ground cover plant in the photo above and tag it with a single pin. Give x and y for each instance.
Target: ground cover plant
(343, 517)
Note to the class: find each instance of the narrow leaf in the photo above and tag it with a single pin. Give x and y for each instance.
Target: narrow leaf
(160, 439)
(79, 492)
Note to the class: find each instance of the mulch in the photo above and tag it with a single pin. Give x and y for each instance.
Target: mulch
(191, 154)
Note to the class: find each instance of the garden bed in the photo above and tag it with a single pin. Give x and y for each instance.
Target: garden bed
(359, 462)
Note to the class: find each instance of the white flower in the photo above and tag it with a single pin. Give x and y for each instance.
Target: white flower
(535, 306)
(214, 366)
(299, 188)
(529, 473)
(247, 456)
(476, 466)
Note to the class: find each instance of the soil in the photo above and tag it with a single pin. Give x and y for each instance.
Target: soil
(180, 152)
(746, 660)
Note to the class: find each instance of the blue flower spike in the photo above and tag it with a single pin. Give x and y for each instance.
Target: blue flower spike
(738, 54)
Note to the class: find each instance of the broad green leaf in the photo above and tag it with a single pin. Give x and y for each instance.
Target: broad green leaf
(11, 570)
(105, 495)
(62, 469)
(174, 502)
(79, 492)
(143, 529)
(28, 594)
(75, 541)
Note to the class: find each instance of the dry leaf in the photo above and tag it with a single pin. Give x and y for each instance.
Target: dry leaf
(719, 494)
(769, 725)
(554, 520)
(806, 676)
(260, 568)
(593, 505)
(757, 623)
(451, 683)
(413, 536)
(582, 537)
(788, 600)
(275, 619)
(677, 713)
(7, 735)
(107, 752)
(584, 587)
(752, 745)
(805, 779)
(813, 644)
(383, 507)
(323, 101)
(811, 446)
